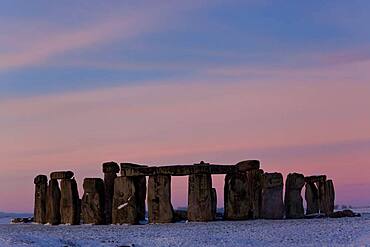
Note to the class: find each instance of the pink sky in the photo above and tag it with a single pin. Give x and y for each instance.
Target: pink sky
(177, 82)
(290, 128)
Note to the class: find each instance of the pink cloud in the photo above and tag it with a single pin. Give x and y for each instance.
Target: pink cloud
(25, 48)
(185, 122)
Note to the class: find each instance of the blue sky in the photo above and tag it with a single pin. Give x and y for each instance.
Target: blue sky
(170, 82)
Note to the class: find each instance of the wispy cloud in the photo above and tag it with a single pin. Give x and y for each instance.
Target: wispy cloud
(42, 45)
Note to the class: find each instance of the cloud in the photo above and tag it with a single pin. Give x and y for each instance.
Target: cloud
(48, 41)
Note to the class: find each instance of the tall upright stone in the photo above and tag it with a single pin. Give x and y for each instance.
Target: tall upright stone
(41, 184)
(140, 189)
(326, 197)
(236, 197)
(272, 196)
(125, 201)
(293, 199)
(53, 203)
(254, 185)
(69, 203)
(242, 192)
(159, 199)
(312, 198)
(92, 203)
(214, 203)
(200, 198)
(110, 170)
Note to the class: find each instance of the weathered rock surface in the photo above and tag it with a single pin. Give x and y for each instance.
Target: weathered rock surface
(69, 203)
(200, 198)
(61, 175)
(41, 184)
(293, 199)
(344, 213)
(242, 195)
(159, 199)
(125, 201)
(326, 197)
(312, 198)
(248, 165)
(110, 170)
(53, 203)
(272, 196)
(110, 167)
(140, 189)
(92, 204)
(236, 197)
(315, 179)
(214, 202)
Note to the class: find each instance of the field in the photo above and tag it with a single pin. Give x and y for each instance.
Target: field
(313, 232)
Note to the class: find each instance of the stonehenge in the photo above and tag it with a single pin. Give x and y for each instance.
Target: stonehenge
(92, 203)
(41, 184)
(272, 206)
(200, 203)
(320, 195)
(53, 196)
(121, 196)
(110, 170)
(160, 209)
(293, 199)
(242, 192)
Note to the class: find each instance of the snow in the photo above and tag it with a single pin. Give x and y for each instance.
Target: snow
(304, 232)
(122, 206)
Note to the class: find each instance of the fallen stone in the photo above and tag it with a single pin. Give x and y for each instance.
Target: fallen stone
(69, 203)
(92, 203)
(53, 203)
(41, 184)
(293, 199)
(200, 205)
(160, 209)
(62, 175)
(272, 196)
(344, 213)
(22, 220)
(180, 215)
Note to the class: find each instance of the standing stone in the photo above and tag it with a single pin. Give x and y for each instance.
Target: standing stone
(293, 199)
(140, 192)
(254, 185)
(140, 189)
(312, 198)
(272, 196)
(326, 197)
(125, 206)
(214, 202)
(92, 204)
(236, 197)
(110, 170)
(41, 184)
(53, 203)
(69, 203)
(242, 195)
(159, 199)
(200, 198)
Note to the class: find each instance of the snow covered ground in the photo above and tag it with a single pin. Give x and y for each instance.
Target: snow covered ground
(312, 232)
